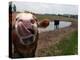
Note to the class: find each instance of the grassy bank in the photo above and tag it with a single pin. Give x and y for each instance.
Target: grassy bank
(53, 17)
(67, 46)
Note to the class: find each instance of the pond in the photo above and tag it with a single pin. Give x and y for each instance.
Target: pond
(52, 27)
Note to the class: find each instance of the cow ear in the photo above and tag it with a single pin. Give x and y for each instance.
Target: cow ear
(44, 23)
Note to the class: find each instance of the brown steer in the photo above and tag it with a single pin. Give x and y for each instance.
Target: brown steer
(25, 35)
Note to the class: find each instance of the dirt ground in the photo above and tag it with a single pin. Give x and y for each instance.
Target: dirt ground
(49, 38)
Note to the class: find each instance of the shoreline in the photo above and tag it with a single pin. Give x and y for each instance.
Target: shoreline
(49, 38)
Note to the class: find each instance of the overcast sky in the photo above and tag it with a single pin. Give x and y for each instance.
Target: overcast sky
(46, 8)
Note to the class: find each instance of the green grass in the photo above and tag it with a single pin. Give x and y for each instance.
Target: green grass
(51, 17)
(68, 46)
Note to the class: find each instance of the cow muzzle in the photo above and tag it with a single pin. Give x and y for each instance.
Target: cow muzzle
(28, 40)
(26, 32)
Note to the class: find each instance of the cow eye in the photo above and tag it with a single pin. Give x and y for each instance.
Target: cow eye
(32, 21)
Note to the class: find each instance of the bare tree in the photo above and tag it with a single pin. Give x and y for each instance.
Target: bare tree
(14, 8)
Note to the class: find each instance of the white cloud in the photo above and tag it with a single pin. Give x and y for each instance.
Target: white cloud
(47, 8)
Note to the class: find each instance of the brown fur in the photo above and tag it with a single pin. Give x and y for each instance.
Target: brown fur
(23, 50)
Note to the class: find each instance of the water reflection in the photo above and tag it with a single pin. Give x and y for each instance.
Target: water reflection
(52, 26)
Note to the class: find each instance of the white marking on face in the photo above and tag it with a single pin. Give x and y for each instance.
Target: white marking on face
(25, 16)
(34, 26)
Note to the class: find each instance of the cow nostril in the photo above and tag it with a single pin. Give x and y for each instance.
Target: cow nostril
(31, 30)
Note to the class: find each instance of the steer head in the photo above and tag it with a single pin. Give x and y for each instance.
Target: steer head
(27, 27)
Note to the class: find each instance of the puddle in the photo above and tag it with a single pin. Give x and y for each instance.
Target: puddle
(52, 27)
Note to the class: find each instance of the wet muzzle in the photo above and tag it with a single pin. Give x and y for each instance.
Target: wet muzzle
(25, 32)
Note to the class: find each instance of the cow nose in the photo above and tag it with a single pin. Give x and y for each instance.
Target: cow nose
(31, 30)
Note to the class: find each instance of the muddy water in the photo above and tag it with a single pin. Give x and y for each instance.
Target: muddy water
(52, 27)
